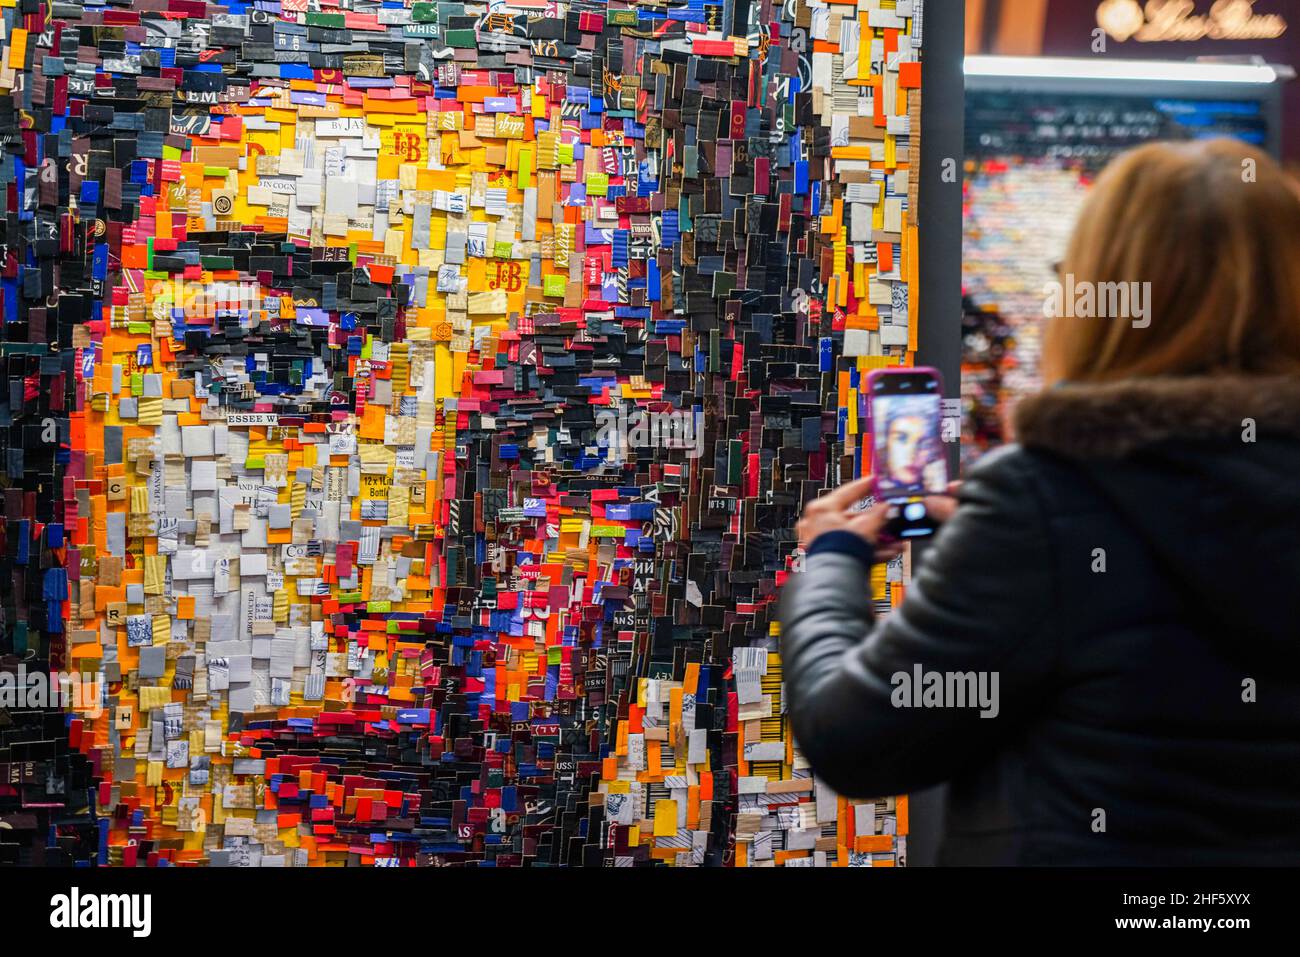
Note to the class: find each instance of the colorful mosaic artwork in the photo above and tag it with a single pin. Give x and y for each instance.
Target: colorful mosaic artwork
(409, 407)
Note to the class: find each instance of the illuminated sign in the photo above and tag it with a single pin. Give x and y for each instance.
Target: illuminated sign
(1176, 20)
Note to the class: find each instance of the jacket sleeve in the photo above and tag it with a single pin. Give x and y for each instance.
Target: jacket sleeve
(977, 608)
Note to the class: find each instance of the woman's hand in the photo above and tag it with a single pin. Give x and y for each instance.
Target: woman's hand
(835, 511)
(941, 507)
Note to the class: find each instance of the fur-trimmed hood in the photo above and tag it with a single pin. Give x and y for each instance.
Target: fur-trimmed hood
(1111, 420)
(1205, 471)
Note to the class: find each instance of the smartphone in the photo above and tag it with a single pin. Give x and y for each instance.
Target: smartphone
(908, 459)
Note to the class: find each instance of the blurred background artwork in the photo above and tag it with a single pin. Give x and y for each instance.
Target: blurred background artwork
(1054, 90)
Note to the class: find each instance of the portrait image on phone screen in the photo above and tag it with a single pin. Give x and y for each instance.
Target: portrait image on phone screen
(908, 456)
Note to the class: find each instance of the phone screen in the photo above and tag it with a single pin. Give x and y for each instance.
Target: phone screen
(908, 454)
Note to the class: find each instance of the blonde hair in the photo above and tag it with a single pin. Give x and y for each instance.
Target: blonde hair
(1214, 227)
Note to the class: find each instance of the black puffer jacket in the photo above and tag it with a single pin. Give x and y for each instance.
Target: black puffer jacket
(1147, 713)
